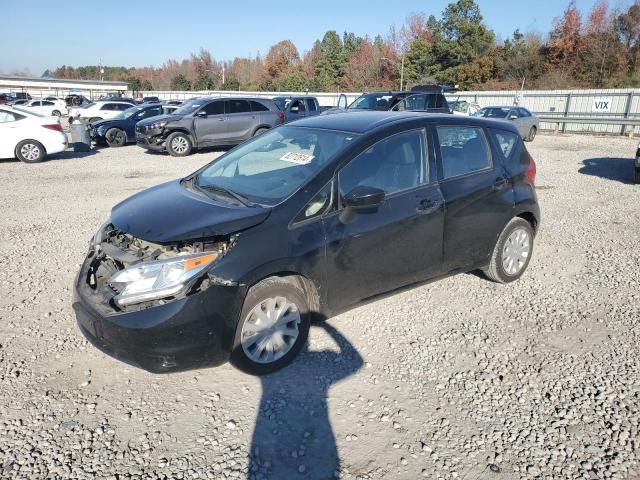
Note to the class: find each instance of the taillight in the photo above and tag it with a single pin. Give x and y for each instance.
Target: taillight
(281, 116)
(530, 173)
(54, 126)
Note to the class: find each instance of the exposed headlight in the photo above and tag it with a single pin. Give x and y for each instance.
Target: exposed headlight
(154, 280)
(158, 125)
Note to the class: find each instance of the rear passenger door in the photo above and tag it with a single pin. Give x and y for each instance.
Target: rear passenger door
(477, 192)
(240, 120)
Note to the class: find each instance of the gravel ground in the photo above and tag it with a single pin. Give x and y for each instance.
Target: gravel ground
(461, 378)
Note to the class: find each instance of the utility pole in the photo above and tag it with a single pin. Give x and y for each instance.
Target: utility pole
(223, 72)
(402, 73)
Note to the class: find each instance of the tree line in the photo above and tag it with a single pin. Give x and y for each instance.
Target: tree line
(595, 49)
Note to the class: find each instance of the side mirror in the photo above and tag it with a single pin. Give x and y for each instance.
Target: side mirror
(342, 101)
(359, 199)
(512, 117)
(201, 114)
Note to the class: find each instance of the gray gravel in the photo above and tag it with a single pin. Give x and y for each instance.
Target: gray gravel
(461, 378)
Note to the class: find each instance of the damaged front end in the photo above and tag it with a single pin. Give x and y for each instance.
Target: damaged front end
(126, 273)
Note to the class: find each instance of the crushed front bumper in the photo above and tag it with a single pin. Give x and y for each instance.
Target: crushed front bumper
(194, 331)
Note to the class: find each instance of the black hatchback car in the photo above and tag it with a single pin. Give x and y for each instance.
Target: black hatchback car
(234, 260)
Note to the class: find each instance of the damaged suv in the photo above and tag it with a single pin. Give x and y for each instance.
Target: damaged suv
(233, 261)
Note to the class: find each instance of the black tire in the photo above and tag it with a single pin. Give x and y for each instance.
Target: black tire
(270, 288)
(94, 119)
(30, 151)
(532, 134)
(496, 270)
(115, 137)
(177, 139)
(637, 175)
(260, 131)
(56, 113)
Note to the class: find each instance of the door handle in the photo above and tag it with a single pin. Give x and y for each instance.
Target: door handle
(499, 183)
(428, 205)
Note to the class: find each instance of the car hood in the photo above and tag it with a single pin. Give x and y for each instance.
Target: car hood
(157, 118)
(107, 123)
(169, 213)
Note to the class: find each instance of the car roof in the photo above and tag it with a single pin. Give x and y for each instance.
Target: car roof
(367, 121)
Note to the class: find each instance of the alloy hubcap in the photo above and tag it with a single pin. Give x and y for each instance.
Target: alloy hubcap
(117, 137)
(270, 330)
(516, 251)
(179, 144)
(30, 151)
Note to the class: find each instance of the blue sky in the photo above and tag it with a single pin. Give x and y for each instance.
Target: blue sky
(41, 34)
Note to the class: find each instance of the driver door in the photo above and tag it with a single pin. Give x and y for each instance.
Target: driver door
(210, 124)
(397, 243)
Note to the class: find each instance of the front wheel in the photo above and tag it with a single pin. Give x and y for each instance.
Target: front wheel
(273, 326)
(179, 144)
(532, 134)
(30, 151)
(115, 137)
(512, 253)
(56, 113)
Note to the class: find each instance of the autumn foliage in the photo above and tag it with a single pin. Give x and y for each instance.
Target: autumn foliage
(599, 48)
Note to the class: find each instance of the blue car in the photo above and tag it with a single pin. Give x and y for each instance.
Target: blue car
(122, 129)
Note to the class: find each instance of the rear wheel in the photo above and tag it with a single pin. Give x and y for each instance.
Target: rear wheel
(532, 134)
(30, 151)
(512, 253)
(115, 137)
(260, 131)
(273, 326)
(179, 144)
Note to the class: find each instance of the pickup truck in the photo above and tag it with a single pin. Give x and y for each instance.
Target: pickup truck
(295, 108)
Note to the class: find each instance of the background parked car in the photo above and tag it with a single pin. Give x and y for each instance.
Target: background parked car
(637, 166)
(28, 136)
(150, 100)
(75, 100)
(48, 108)
(463, 107)
(295, 108)
(122, 129)
(424, 98)
(99, 110)
(17, 103)
(207, 122)
(526, 122)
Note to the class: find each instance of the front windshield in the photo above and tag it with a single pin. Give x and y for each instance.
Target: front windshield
(128, 113)
(190, 106)
(492, 112)
(372, 101)
(275, 164)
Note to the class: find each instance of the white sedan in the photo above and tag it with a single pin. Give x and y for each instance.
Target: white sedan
(28, 136)
(100, 110)
(48, 108)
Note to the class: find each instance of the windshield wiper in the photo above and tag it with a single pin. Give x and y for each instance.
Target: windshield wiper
(229, 193)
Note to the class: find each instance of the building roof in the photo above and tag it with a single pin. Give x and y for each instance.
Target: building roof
(18, 79)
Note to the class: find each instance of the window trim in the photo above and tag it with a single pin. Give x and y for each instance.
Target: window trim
(474, 172)
(425, 161)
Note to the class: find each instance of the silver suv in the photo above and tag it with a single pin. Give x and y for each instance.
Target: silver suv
(208, 122)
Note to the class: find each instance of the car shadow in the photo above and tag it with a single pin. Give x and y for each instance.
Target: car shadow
(610, 168)
(293, 434)
(71, 155)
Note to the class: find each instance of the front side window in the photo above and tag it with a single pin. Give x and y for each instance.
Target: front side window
(317, 206)
(412, 103)
(108, 106)
(237, 106)
(48, 104)
(393, 164)
(311, 104)
(463, 150)
(272, 166)
(214, 108)
(492, 112)
(434, 101)
(257, 106)
(373, 101)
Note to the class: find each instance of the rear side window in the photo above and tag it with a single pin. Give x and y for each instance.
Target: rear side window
(237, 106)
(48, 104)
(311, 104)
(214, 108)
(510, 146)
(257, 106)
(463, 150)
(434, 101)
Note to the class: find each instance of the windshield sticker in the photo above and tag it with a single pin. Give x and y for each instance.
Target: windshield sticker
(299, 158)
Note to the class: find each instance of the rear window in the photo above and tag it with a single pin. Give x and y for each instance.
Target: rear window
(464, 150)
(257, 106)
(237, 106)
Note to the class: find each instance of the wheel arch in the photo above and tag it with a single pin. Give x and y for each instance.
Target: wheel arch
(306, 284)
(180, 130)
(265, 126)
